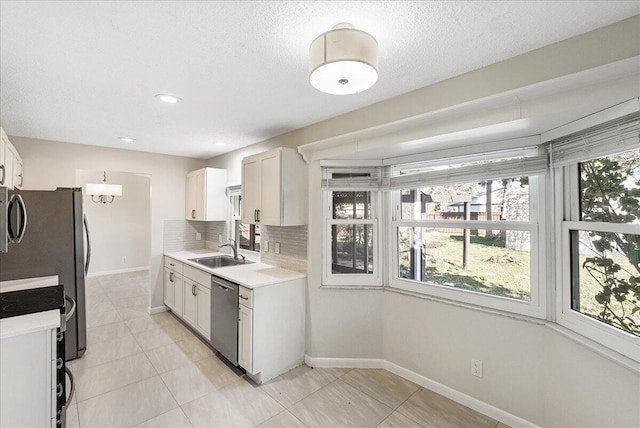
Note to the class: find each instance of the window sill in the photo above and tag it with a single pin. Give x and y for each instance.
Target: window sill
(352, 287)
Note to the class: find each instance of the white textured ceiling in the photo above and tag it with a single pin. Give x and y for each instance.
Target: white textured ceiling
(87, 72)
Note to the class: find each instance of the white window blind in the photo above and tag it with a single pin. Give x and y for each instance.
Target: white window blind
(536, 165)
(615, 136)
(368, 178)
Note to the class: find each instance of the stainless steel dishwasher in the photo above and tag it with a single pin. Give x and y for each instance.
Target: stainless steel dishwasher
(224, 318)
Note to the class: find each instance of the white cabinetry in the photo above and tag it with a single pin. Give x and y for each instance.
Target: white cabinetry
(206, 199)
(197, 300)
(245, 330)
(11, 171)
(274, 188)
(173, 286)
(28, 373)
(271, 329)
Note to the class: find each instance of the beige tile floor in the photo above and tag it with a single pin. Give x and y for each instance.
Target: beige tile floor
(152, 371)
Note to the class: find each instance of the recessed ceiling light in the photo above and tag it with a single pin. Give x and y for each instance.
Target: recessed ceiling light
(171, 99)
(127, 139)
(221, 144)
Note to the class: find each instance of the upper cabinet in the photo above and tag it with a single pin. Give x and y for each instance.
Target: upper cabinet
(10, 163)
(274, 188)
(206, 199)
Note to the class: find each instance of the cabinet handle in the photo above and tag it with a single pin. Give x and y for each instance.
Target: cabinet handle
(4, 173)
(171, 264)
(193, 289)
(255, 215)
(258, 215)
(244, 298)
(20, 175)
(193, 213)
(170, 276)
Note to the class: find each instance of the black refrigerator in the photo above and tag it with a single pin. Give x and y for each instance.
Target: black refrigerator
(52, 242)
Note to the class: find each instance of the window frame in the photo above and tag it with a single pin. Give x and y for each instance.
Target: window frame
(535, 307)
(349, 279)
(236, 218)
(567, 215)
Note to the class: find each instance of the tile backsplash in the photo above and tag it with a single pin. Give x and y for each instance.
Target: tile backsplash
(181, 235)
(293, 247)
(213, 230)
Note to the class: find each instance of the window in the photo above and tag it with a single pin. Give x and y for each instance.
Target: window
(473, 241)
(246, 235)
(598, 211)
(602, 239)
(352, 237)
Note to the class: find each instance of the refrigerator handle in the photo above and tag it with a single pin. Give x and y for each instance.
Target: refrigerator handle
(22, 228)
(87, 262)
(4, 175)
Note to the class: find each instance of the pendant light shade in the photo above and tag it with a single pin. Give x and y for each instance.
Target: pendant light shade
(103, 192)
(343, 61)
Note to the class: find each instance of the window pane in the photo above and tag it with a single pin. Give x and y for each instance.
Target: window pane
(610, 188)
(497, 265)
(351, 205)
(352, 248)
(606, 278)
(249, 236)
(500, 199)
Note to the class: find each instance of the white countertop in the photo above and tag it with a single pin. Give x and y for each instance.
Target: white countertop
(30, 323)
(251, 275)
(28, 283)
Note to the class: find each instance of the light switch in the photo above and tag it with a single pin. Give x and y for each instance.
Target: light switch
(198, 236)
(265, 246)
(277, 250)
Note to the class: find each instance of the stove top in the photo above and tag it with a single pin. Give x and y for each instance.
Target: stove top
(22, 302)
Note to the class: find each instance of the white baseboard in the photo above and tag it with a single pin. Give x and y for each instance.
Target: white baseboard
(351, 363)
(452, 394)
(157, 309)
(111, 272)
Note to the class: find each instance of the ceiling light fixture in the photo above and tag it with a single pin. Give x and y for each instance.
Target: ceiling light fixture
(171, 99)
(103, 192)
(127, 139)
(221, 144)
(343, 61)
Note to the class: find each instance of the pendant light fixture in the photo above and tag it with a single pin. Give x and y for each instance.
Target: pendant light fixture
(103, 192)
(343, 61)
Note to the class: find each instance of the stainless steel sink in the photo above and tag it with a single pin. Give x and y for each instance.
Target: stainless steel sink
(219, 261)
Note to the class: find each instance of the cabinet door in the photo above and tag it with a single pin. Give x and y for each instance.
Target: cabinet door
(250, 188)
(200, 196)
(8, 165)
(17, 171)
(270, 192)
(203, 312)
(169, 288)
(190, 304)
(178, 282)
(190, 198)
(245, 338)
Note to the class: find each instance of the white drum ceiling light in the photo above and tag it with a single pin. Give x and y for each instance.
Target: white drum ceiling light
(343, 61)
(103, 192)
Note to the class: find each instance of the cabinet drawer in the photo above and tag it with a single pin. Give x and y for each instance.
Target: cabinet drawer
(197, 275)
(245, 296)
(173, 264)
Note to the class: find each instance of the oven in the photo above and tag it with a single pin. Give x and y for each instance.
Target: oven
(41, 299)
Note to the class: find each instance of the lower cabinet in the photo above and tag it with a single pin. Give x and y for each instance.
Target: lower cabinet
(28, 387)
(271, 329)
(197, 307)
(187, 292)
(245, 338)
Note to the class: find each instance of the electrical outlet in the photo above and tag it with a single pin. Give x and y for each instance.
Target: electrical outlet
(124, 259)
(265, 246)
(277, 250)
(220, 238)
(476, 367)
(198, 236)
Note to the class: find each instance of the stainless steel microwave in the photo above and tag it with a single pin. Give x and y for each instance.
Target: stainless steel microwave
(13, 218)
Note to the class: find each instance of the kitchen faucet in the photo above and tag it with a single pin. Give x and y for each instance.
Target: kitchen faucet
(234, 247)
